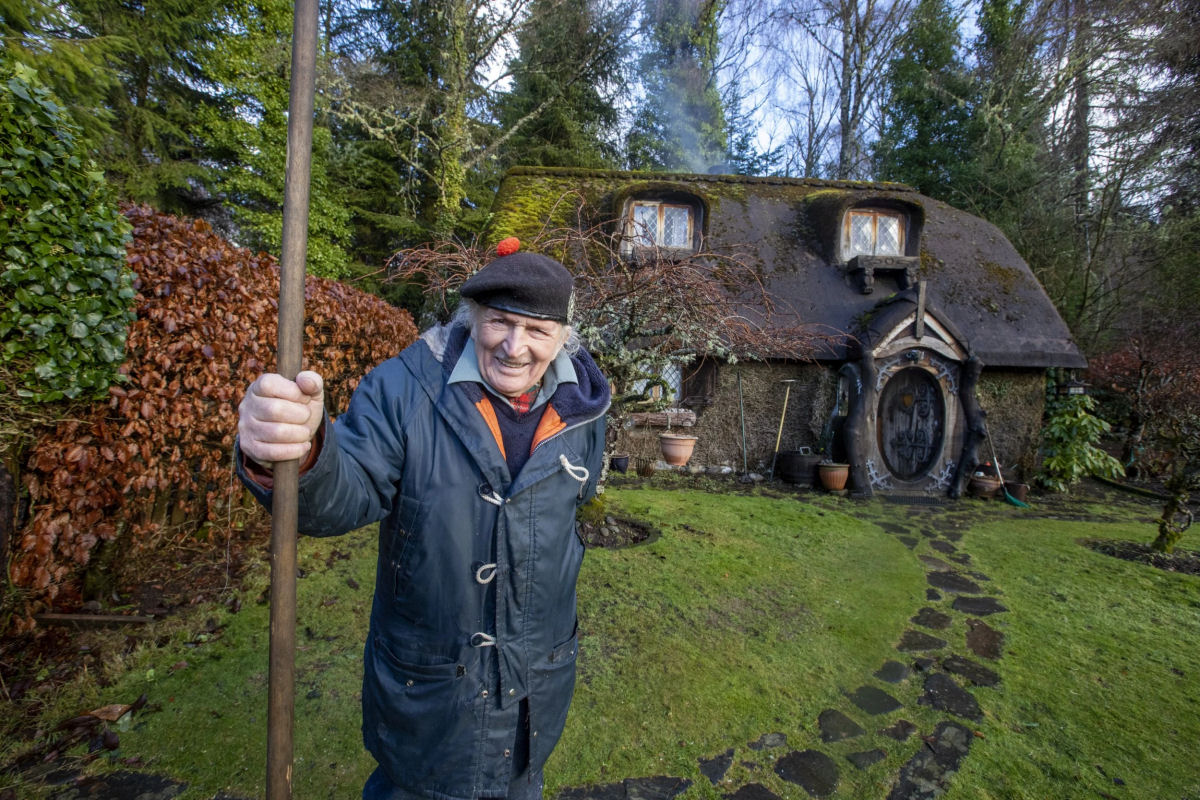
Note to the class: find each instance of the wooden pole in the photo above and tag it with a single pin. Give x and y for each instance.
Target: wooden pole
(284, 502)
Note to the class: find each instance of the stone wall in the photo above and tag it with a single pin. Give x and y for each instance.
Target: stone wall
(1014, 401)
(719, 425)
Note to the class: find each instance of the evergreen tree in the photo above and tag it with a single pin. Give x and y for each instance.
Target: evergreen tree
(560, 111)
(926, 137)
(680, 123)
(133, 76)
(247, 137)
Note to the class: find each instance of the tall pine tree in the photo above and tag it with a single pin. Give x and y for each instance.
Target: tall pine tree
(247, 137)
(560, 111)
(925, 139)
(680, 123)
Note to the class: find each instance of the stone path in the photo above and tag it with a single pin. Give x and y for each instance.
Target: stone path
(949, 670)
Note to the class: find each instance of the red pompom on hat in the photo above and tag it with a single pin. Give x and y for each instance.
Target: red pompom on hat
(506, 247)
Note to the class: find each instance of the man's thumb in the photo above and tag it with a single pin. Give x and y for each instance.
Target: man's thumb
(310, 383)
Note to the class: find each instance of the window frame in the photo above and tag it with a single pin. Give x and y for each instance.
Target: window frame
(875, 214)
(634, 237)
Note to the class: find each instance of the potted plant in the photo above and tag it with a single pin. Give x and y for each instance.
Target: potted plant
(676, 447)
(834, 475)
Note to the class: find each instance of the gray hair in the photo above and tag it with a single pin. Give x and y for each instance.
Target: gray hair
(469, 311)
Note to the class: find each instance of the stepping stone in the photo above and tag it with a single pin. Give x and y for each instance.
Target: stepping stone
(916, 640)
(604, 791)
(812, 770)
(660, 787)
(900, 730)
(866, 758)
(874, 701)
(942, 693)
(975, 673)
(929, 534)
(953, 582)
(954, 535)
(923, 664)
(908, 541)
(125, 784)
(931, 618)
(961, 558)
(926, 773)
(715, 768)
(836, 726)
(983, 640)
(769, 740)
(894, 527)
(936, 563)
(933, 594)
(979, 576)
(979, 606)
(892, 672)
(943, 547)
(753, 791)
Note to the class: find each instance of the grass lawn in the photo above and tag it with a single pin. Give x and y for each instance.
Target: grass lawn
(748, 615)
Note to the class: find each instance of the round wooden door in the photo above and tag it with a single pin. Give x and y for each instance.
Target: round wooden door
(911, 423)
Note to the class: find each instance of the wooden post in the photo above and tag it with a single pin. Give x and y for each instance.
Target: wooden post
(920, 324)
(284, 512)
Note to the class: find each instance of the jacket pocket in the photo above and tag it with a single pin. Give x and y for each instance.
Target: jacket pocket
(552, 684)
(415, 719)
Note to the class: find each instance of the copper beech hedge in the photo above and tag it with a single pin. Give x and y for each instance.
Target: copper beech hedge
(152, 465)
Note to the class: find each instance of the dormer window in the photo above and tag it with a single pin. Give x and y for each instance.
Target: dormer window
(873, 232)
(653, 223)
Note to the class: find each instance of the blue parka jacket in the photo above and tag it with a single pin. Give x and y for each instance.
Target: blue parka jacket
(474, 607)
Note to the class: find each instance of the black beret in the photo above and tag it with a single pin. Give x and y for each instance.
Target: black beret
(523, 283)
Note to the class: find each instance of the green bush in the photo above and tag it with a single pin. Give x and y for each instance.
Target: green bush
(65, 292)
(1070, 443)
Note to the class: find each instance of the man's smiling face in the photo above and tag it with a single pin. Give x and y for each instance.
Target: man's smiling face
(513, 350)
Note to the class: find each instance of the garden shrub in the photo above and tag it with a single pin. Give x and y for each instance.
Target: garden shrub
(1070, 443)
(155, 456)
(65, 293)
(1151, 384)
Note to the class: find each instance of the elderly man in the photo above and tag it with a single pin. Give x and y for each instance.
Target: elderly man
(474, 447)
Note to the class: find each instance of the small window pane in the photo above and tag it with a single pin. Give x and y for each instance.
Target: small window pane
(645, 225)
(862, 234)
(888, 236)
(672, 375)
(675, 226)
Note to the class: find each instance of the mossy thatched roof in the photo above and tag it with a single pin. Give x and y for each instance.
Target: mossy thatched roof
(789, 229)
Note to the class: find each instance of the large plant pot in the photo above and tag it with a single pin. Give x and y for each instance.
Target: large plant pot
(833, 475)
(984, 486)
(798, 467)
(619, 463)
(676, 447)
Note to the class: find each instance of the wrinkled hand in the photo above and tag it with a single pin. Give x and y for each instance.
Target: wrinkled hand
(278, 418)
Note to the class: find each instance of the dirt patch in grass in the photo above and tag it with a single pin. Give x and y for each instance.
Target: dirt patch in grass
(616, 532)
(1185, 561)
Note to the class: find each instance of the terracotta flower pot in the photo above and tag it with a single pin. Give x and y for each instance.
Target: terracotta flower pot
(676, 447)
(833, 475)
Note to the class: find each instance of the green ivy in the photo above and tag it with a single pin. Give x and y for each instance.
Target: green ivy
(65, 291)
(1070, 440)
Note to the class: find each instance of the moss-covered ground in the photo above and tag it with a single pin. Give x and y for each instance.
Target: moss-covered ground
(750, 614)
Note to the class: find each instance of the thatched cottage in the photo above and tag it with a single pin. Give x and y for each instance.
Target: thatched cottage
(939, 330)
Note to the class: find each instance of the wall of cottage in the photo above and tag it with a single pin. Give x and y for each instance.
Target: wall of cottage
(1014, 400)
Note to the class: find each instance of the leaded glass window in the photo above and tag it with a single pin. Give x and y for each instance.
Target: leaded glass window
(874, 233)
(660, 224)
